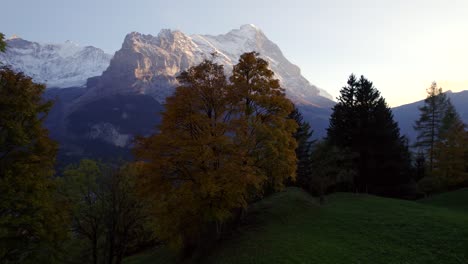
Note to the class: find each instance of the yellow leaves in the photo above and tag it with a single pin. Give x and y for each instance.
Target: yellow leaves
(218, 145)
(451, 156)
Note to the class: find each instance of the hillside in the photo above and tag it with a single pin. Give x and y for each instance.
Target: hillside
(290, 227)
(457, 200)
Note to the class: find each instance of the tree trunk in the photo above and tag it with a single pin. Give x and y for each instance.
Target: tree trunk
(95, 253)
(111, 247)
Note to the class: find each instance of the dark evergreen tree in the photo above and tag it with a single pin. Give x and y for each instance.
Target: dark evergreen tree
(363, 123)
(449, 119)
(419, 166)
(343, 121)
(303, 136)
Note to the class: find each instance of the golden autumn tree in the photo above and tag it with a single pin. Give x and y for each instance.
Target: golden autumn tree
(451, 155)
(192, 172)
(263, 128)
(219, 145)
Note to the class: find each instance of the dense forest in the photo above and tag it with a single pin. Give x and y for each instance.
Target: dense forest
(224, 144)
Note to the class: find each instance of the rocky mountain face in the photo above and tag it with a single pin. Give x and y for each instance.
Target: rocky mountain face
(100, 117)
(57, 65)
(230, 46)
(149, 64)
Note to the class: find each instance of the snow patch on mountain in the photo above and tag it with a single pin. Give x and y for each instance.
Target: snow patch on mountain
(149, 64)
(56, 65)
(110, 134)
(247, 38)
(325, 94)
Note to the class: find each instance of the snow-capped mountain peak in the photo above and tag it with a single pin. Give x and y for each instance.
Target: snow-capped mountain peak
(247, 30)
(67, 49)
(123, 100)
(149, 64)
(57, 65)
(13, 37)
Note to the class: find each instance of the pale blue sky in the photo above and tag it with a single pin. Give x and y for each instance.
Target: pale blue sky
(402, 46)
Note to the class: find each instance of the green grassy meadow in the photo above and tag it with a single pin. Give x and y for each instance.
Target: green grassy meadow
(291, 227)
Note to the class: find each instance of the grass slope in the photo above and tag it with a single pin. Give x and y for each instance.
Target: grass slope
(290, 227)
(457, 200)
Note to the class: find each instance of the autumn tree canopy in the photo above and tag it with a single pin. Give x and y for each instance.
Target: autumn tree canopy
(192, 170)
(219, 145)
(263, 127)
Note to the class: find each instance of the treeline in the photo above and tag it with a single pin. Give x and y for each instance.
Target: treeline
(90, 214)
(442, 144)
(365, 152)
(224, 143)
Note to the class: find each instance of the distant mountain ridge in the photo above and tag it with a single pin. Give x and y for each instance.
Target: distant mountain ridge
(407, 114)
(57, 65)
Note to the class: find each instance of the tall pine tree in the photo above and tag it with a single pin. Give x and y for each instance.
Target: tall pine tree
(432, 118)
(363, 123)
(303, 136)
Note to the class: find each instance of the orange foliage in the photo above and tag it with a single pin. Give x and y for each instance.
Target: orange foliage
(218, 144)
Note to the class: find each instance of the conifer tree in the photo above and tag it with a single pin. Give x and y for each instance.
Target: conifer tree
(363, 123)
(304, 142)
(430, 122)
(420, 166)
